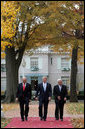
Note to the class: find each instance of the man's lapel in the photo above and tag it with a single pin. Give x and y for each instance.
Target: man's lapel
(46, 86)
(42, 86)
(26, 85)
(58, 89)
(62, 88)
(22, 86)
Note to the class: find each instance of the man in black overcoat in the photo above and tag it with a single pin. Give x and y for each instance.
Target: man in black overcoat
(23, 95)
(44, 91)
(60, 94)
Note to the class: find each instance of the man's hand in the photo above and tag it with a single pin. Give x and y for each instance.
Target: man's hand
(59, 98)
(49, 98)
(65, 99)
(29, 100)
(16, 99)
(36, 98)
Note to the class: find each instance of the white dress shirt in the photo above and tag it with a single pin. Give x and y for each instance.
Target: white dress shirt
(44, 86)
(60, 87)
(23, 84)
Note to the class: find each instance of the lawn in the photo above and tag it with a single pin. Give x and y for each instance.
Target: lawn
(78, 122)
(4, 122)
(75, 108)
(7, 107)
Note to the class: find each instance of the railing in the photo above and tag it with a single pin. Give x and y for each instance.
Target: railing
(34, 68)
(65, 69)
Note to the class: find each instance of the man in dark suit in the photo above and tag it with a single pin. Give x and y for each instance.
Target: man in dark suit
(60, 94)
(23, 96)
(45, 93)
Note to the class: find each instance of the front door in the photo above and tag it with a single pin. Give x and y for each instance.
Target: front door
(34, 83)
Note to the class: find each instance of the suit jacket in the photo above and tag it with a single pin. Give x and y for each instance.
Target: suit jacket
(43, 96)
(62, 94)
(26, 94)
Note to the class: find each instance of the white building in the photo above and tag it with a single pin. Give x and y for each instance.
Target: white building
(44, 62)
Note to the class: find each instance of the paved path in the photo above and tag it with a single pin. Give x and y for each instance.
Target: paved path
(33, 112)
(34, 122)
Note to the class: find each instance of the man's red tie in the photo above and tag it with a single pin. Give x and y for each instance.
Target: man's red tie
(23, 86)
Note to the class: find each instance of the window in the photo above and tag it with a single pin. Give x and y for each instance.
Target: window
(66, 81)
(34, 83)
(51, 60)
(34, 63)
(64, 63)
(3, 67)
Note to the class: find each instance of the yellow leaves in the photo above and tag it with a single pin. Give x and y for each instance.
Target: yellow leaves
(29, 16)
(9, 11)
(75, 108)
(49, 33)
(3, 55)
(12, 106)
(4, 122)
(78, 122)
(4, 44)
(82, 17)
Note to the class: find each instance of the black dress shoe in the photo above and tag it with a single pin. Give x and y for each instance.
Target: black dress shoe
(61, 119)
(26, 118)
(22, 119)
(56, 118)
(41, 118)
(44, 119)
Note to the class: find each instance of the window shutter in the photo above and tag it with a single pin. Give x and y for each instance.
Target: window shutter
(40, 63)
(70, 63)
(59, 62)
(28, 63)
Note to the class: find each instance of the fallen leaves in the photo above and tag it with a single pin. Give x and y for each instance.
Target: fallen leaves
(4, 122)
(78, 123)
(75, 108)
(7, 107)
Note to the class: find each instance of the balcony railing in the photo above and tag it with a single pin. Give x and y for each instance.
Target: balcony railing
(65, 69)
(34, 68)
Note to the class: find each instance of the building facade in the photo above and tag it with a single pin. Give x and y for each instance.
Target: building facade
(44, 62)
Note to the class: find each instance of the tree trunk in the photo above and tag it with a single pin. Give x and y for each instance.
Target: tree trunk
(12, 67)
(73, 92)
(11, 75)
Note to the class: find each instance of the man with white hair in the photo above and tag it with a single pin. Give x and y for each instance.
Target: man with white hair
(60, 94)
(45, 93)
(23, 96)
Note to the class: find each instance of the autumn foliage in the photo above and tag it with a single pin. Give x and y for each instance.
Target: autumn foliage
(9, 12)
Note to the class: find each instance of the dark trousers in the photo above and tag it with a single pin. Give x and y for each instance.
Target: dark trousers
(43, 109)
(59, 109)
(24, 108)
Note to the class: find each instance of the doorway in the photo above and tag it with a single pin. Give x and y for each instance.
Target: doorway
(34, 83)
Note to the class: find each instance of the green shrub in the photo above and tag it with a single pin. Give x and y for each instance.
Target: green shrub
(81, 93)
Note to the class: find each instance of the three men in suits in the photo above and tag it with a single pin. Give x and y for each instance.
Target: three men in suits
(45, 93)
(23, 96)
(60, 94)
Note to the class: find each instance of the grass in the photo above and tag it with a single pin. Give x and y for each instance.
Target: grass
(75, 108)
(78, 122)
(12, 106)
(4, 122)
